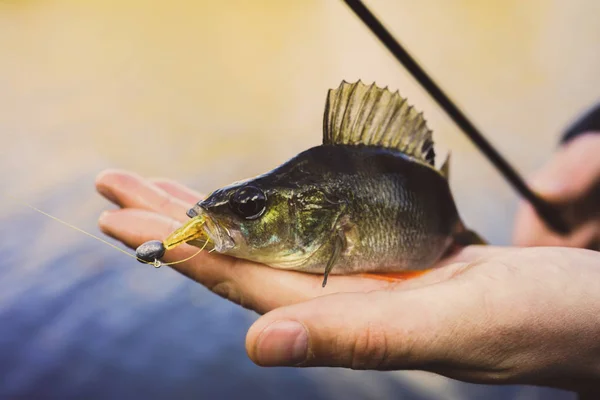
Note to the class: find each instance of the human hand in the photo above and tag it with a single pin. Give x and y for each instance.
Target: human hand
(572, 176)
(529, 316)
(490, 315)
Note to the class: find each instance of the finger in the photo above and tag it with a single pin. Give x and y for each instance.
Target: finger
(130, 190)
(251, 285)
(571, 171)
(379, 330)
(178, 190)
(530, 231)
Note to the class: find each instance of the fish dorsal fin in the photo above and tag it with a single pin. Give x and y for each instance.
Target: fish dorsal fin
(445, 168)
(359, 114)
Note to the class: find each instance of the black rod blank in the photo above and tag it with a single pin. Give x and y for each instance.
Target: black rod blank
(545, 210)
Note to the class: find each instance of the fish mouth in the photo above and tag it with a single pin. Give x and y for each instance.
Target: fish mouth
(201, 231)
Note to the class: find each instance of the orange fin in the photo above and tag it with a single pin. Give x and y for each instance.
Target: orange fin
(395, 276)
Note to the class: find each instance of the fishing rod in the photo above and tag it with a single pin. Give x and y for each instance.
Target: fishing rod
(548, 212)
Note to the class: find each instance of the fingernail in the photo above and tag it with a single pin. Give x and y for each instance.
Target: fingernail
(283, 343)
(102, 218)
(107, 194)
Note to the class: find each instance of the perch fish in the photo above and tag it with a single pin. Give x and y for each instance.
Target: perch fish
(369, 199)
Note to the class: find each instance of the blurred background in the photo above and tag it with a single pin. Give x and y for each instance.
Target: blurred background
(207, 93)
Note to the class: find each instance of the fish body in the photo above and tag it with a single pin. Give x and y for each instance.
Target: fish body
(369, 199)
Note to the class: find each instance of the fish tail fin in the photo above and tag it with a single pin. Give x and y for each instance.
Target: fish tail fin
(466, 237)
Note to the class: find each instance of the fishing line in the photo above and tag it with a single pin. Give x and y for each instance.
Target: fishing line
(190, 257)
(545, 210)
(155, 263)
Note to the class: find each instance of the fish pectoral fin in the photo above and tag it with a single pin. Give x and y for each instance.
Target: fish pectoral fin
(338, 245)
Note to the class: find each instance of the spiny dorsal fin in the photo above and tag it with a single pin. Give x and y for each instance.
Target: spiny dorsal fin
(445, 168)
(358, 114)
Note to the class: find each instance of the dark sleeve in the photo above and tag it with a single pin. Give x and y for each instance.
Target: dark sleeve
(588, 122)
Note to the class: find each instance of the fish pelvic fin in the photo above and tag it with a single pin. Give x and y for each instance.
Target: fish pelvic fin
(394, 276)
(359, 114)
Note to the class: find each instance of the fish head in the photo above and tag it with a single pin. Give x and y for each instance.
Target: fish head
(280, 226)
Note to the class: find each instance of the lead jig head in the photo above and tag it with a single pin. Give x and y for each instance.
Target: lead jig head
(151, 252)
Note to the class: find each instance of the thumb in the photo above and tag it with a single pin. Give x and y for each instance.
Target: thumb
(376, 330)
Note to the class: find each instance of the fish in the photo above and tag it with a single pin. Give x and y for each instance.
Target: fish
(369, 199)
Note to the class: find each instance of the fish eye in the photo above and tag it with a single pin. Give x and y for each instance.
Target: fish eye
(248, 202)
